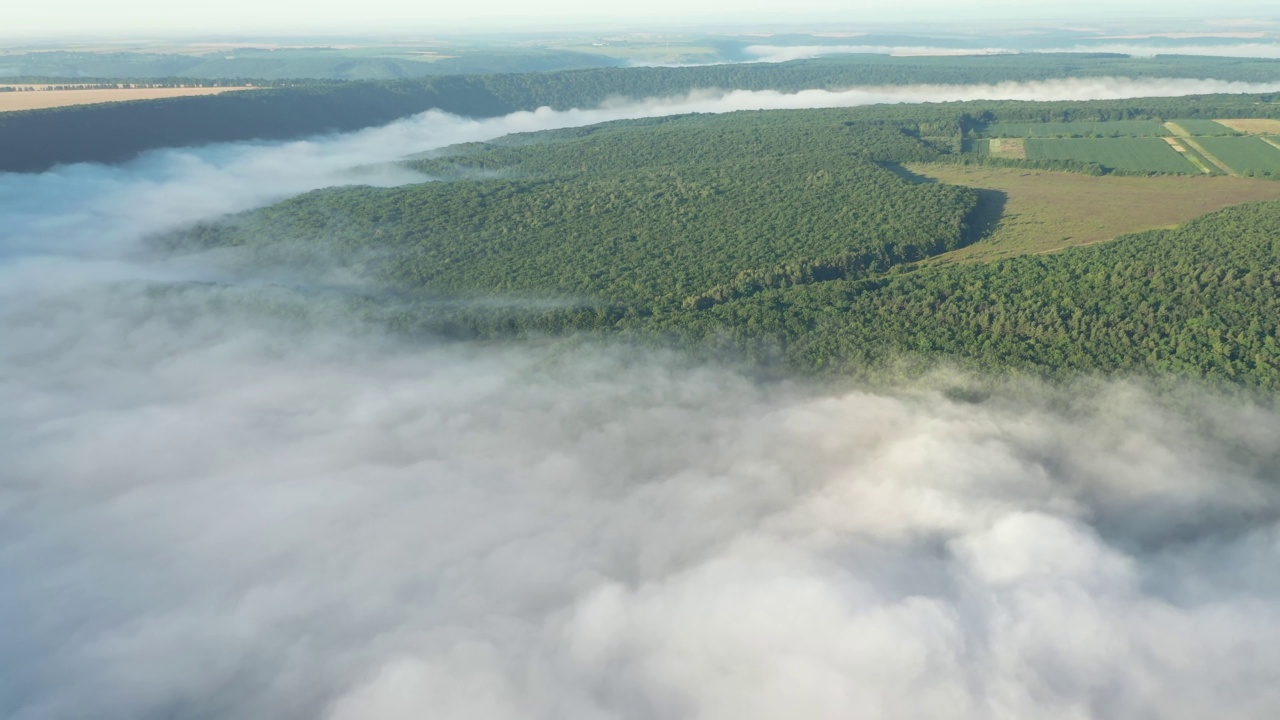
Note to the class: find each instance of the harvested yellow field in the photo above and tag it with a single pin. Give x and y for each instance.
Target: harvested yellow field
(1253, 126)
(41, 99)
(1036, 211)
(66, 85)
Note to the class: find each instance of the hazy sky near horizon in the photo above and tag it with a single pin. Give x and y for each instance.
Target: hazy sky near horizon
(56, 18)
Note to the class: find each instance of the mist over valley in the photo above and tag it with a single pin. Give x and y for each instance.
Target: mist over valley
(706, 404)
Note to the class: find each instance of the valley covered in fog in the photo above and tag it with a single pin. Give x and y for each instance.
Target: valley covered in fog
(227, 489)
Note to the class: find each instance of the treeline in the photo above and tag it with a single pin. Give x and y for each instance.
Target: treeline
(1057, 165)
(38, 139)
(317, 63)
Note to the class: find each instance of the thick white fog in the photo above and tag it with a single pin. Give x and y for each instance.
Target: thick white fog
(229, 500)
(1242, 50)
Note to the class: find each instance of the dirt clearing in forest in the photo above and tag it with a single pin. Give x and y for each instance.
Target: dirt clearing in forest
(1011, 148)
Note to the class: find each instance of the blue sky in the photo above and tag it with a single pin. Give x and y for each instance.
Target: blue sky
(144, 17)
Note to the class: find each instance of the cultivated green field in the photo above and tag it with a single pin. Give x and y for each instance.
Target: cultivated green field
(1116, 128)
(1204, 127)
(1143, 155)
(1245, 155)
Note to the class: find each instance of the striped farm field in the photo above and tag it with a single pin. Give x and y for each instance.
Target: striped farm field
(1143, 155)
(1253, 126)
(1245, 155)
(1117, 128)
(1204, 127)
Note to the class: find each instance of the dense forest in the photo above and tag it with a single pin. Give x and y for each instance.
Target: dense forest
(684, 224)
(38, 139)
(781, 236)
(1202, 300)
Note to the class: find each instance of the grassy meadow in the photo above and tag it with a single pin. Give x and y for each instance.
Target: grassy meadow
(1042, 211)
(1204, 127)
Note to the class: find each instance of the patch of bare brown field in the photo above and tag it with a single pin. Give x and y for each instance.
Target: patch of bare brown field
(40, 100)
(69, 85)
(171, 48)
(1253, 126)
(1012, 148)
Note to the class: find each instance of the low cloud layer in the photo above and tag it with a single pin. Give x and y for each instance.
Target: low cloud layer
(1101, 88)
(208, 513)
(1269, 50)
(786, 53)
(226, 500)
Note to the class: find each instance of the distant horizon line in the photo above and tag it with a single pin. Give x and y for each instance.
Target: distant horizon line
(543, 28)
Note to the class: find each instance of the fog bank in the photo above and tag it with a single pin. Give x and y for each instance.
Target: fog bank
(787, 53)
(212, 513)
(1270, 50)
(224, 499)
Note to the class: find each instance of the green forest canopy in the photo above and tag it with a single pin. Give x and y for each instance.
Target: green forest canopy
(787, 235)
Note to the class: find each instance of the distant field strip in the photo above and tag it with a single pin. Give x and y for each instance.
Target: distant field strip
(1272, 141)
(1184, 136)
(1194, 157)
(1247, 155)
(1200, 161)
(40, 100)
(1117, 128)
(1253, 126)
(1145, 154)
(1203, 127)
